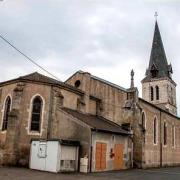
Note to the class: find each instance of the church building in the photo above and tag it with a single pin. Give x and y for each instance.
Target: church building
(116, 129)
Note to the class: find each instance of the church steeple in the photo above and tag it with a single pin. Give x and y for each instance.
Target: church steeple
(158, 65)
(158, 86)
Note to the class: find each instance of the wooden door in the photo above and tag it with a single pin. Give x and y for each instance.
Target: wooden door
(98, 156)
(101, 149)
(118, 156)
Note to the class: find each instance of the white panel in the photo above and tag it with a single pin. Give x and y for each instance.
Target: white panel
(68, 152)
(84, 165)
(58, 165)
(36, 162)
(69, 158)
(47, 156)
(42, 150)
(52, 156)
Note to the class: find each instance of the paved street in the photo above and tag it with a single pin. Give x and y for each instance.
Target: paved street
(137, 174)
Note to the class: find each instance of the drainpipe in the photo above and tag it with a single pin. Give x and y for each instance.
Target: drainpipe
(160, 140)
(90, 157)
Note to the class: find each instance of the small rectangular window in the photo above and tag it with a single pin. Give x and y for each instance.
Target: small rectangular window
(155, 131)
(157, 93)
(152, 93)
(165, 134)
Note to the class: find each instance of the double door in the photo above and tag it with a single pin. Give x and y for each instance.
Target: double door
(101, 156)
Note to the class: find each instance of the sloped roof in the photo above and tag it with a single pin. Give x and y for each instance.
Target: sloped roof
(97, 122)
(158, 58)
(159, 108)
(99, 79)
(36, 77)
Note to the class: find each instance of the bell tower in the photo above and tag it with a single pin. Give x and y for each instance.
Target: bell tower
(158, 86)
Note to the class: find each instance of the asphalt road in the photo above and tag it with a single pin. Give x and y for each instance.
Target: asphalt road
(135, 174)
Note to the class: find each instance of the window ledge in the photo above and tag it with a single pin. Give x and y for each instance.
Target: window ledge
(34, 133)
(3, 131)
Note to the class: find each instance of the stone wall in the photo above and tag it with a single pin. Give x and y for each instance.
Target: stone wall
(111, 140)
(5, 92)
(167, 94)
(153, 153)
(19, 135)
(112, 98)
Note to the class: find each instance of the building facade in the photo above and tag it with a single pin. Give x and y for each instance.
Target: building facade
(38, 107)
(115, 127)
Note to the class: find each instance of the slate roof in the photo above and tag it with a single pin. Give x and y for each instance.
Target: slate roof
(97, 122)
(158, 60)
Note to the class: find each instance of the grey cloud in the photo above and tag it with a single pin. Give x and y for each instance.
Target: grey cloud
(102, 36)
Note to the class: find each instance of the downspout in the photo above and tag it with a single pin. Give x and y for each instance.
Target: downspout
(91, 148)
(132, 154)
(160, 141)
(50, 114)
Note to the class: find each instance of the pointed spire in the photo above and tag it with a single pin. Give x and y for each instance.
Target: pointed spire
(158, 65)
(132, 79)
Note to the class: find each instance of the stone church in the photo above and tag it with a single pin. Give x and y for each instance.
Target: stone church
(116, 128)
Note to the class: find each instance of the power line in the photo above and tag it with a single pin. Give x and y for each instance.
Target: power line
(32, 61)
(28, 58)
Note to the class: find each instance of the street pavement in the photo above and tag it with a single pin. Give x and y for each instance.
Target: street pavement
(11, 173)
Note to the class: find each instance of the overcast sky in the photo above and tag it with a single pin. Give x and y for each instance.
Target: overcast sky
(107, 38)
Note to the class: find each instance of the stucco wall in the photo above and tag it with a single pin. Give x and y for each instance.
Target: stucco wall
(66, 126)
(70, 99)
(111, 140)
(92, 107)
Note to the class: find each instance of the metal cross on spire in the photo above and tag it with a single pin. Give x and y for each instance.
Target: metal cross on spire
(156, 15)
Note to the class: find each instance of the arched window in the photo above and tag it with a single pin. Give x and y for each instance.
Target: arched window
(152, 94)
(36, 114)
(165, 133)
(157, 93)
(155, 131)
(7, 108)
(143, 120)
